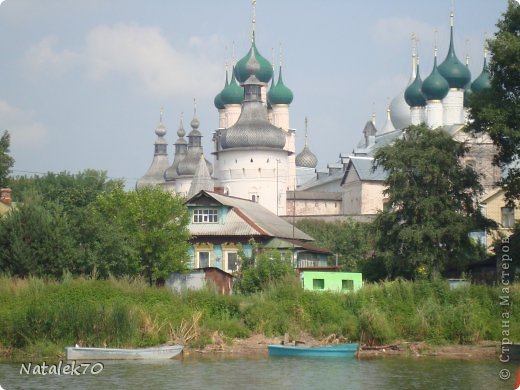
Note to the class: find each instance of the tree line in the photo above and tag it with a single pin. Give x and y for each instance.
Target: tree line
(87, 224)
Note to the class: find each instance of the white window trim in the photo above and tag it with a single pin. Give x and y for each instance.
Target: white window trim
(197, 258)
(200, 214)
(226, 264)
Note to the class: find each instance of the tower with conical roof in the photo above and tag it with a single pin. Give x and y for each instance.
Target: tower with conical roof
(388, 127)
(252, 162)
(202, 179)
(188, 165)
(155, 174)
(180, 151)
(458, 76)
(435, 88)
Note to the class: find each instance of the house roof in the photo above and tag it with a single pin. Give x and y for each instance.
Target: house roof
(245, 218)
(363, 167)
(322, 178)
(277, 243)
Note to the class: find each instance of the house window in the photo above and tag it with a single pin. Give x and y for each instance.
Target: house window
(231, 262)
(318, 284)
(347, 285)
(253, 198)
(508, 217)
(205, 216)
(203, 259)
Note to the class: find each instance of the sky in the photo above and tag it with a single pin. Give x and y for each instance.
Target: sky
(82, 81)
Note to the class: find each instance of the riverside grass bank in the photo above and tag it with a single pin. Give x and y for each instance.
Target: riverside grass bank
(41, 317)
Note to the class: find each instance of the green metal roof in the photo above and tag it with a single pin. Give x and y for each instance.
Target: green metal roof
(233, 93)
(264, 74)
(454, 71)
(280, 94)
(435, 86)
(483, 81)
(219, 104)
(413, 94)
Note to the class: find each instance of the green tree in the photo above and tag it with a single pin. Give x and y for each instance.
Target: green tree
(352, 241)
(73, 192)
(102, 247)
(156, 221)
(6, 161)
(262, 269)
(495, 110)
(433, 205)
(36, 240)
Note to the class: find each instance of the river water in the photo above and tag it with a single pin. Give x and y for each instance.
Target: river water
(269, 373)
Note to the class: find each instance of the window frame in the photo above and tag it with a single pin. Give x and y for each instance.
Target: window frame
(226, 261)
(507, 217)
(318, 283)
(205, 215)
(198, 258)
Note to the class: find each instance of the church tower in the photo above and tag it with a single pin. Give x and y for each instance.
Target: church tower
(252, 162)
(188, 165)
(155, 174)
(458, 76)
(435, 88)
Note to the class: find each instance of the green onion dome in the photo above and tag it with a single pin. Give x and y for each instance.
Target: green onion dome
(264, 74)
(413, 94)
(280, 94)
(454, 71)
(483, 81)
(219, 104)
(269, 106)
(233, 93)
(435, 86)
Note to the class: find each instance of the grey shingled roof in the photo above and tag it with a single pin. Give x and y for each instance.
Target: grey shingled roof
(257, 217)
(363, 167)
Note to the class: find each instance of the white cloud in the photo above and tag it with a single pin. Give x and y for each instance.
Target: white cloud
(44, 55)
(146, 59)
(24, 130)
(394, 31)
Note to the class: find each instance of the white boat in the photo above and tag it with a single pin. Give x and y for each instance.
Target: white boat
(85, 353)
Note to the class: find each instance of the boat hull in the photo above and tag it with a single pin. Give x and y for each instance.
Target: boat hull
(79, 353)
(343, 350)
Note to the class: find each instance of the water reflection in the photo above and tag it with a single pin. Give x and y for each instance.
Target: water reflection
(260, 372)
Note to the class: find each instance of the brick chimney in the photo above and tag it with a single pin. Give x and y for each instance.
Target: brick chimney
(5, 196)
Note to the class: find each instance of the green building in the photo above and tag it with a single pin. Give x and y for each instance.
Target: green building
(331, 281)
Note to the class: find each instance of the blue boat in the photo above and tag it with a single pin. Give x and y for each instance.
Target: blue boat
(342, 350)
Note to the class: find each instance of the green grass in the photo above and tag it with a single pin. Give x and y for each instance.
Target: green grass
(43, 316)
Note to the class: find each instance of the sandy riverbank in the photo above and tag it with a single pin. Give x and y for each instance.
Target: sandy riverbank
(256, 345)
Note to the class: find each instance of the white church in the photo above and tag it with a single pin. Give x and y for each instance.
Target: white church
(254, 154)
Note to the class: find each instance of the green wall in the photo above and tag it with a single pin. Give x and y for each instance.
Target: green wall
(332, 281)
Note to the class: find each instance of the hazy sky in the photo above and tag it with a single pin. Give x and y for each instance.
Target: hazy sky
(82, 81)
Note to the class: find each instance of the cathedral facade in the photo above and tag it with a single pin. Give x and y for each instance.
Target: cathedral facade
(254, 154)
